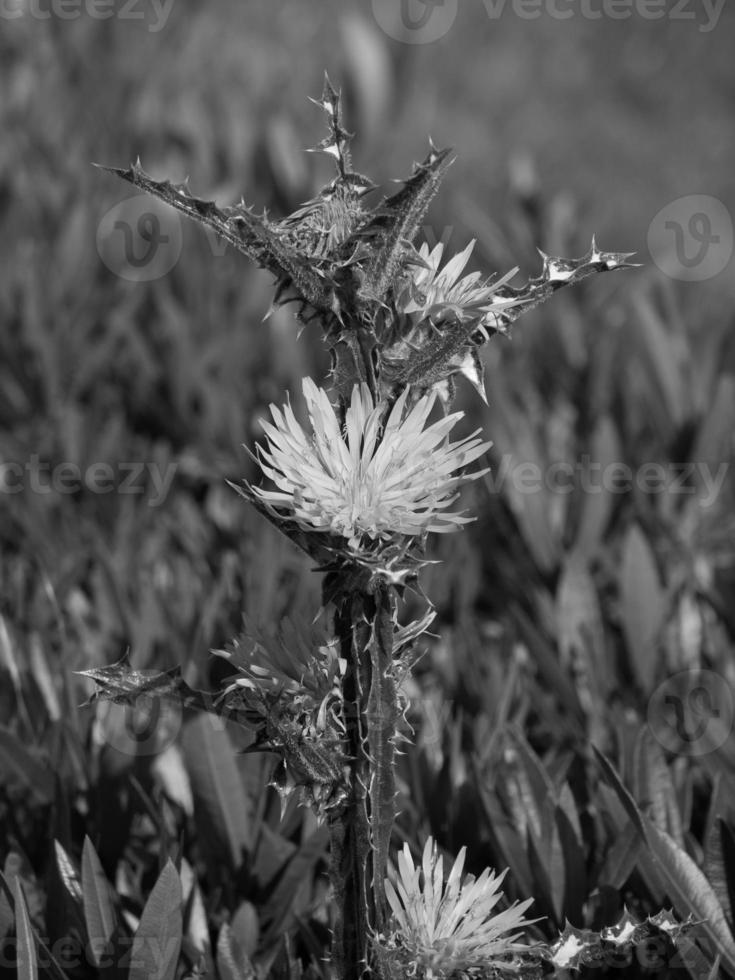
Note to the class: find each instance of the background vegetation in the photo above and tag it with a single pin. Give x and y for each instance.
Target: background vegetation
(560, 615)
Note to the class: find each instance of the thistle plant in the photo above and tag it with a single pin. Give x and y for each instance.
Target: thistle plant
(359, 490)
(441, 931)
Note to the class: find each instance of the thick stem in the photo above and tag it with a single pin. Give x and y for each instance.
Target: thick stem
(360, 829)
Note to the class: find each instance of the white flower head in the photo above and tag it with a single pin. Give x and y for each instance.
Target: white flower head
(452, 929)
(380, 477)
(435, 293)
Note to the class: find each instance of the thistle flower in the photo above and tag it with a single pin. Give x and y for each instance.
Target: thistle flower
(431, 293)
(379, 478)
(441, 931)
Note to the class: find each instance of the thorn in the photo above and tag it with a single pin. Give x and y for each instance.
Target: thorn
(438, 156)
(328, 91)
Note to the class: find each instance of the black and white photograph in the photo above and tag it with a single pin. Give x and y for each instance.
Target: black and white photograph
(367, 500)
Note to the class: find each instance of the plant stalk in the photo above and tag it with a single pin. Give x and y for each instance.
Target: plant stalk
(360, 829)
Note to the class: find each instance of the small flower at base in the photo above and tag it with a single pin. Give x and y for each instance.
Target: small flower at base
(445, 930)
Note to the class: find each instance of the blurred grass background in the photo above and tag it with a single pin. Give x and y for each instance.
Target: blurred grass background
(560, 613)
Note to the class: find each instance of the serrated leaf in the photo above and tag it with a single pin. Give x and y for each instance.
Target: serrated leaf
(558, 273)
(622, 931)
(448, 349)
(157, 940)
(613, 947)
(569, 949)
(121, 684)
(395, 223)
(245, 231)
